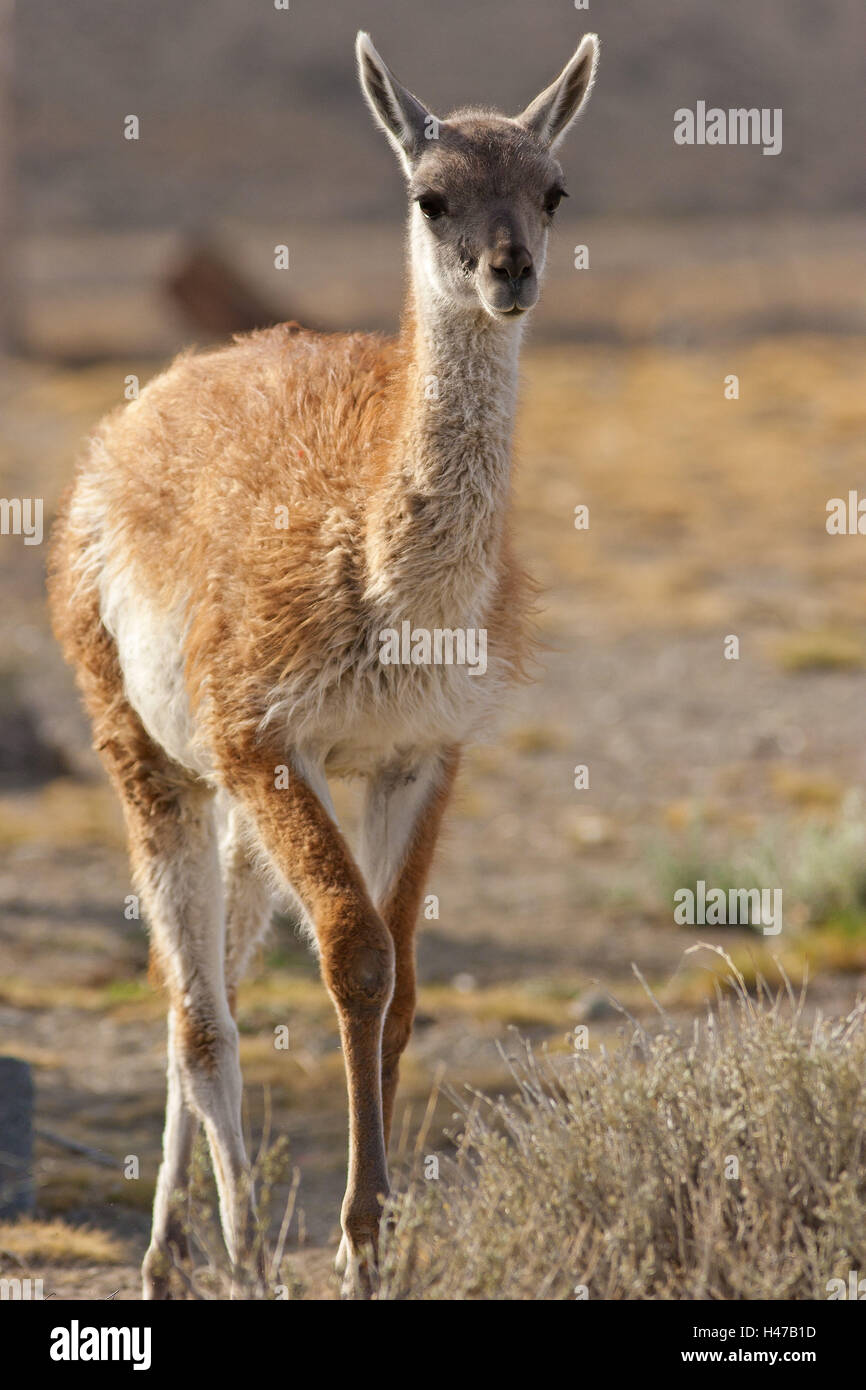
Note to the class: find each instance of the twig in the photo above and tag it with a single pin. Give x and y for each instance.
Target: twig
(72, 1145)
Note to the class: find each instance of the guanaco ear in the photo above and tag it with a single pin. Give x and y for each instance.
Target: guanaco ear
(401, 115)
(550, 115)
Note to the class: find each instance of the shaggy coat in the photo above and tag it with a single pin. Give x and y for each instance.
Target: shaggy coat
(222, 569)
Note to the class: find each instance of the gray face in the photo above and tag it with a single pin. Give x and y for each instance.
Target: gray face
(483, 187)
(483, 195)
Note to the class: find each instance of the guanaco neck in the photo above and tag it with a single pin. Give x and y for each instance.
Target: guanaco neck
(435, 523)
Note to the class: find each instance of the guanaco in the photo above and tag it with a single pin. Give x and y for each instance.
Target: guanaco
(233, 545)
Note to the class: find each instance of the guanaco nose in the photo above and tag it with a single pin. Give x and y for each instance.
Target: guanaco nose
(512, 263)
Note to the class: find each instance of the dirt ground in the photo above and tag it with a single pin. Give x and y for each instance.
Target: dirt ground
(706, 521)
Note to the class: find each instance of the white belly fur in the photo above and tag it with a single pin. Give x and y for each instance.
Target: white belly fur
(150, 650)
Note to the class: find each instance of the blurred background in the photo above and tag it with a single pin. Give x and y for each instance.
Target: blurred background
(252, 133)
(706, 519)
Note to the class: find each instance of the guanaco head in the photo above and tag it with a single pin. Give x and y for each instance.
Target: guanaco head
(483, 188)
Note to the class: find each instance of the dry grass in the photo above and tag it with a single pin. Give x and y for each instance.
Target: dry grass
(268, 1275)
(819, 863)
(49, 1242)
(611, 1173)
(66, 811)
(721, 1159)
(805, 789)
(822, 650)
(668, 467)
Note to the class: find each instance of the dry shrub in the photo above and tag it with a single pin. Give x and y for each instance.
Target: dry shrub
(266, 1275)
(608, 1170)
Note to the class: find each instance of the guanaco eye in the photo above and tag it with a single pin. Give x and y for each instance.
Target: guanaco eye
(432, 205)
(553, 199)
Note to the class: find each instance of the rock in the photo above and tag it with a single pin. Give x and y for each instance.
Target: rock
(17, 1188)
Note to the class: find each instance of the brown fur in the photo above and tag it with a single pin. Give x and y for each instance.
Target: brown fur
(400, 913)
(216, 647)
(255, 621)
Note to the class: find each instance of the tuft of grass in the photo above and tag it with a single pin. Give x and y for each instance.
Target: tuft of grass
(53, 1242)
(828, 866)
(683, 863)
(266, 1275)
(820, 867)
(717, 1160)
(806, 790)
(816, 952)
(531, 1003)
(66, 811)
(533, 739)
(824, 649)
(125, 998)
